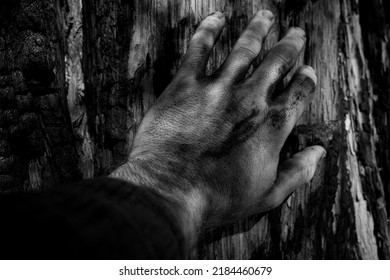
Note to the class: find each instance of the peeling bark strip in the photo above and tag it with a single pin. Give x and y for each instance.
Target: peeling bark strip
(75, 82)
(77, 77)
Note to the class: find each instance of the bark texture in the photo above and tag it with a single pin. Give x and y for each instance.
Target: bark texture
(77, 77)
(36, 141)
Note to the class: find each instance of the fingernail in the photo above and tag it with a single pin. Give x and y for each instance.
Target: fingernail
(309, 72)
(309, 68)
(267, 14)
(297, 30)
(217, 14)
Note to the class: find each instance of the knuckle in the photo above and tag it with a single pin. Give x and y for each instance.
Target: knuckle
(277, 118)
(286, 54)
(199, 50)
(248, 48)
(300, 89)
(294, 98)
(184, 84)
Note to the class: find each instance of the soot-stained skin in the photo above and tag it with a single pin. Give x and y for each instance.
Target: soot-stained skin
(239, 134)
(212, 142)
(277, 117)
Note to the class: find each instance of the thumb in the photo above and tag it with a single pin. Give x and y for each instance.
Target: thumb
(297, 171)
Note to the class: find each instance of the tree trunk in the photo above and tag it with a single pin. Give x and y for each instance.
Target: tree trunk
(77, 77)
(37, 146)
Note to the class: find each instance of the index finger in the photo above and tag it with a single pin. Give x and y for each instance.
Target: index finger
(202, 43)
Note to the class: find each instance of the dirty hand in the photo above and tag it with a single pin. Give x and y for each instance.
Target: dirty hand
(211, 144)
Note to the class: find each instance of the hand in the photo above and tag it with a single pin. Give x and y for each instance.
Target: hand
(212, 143)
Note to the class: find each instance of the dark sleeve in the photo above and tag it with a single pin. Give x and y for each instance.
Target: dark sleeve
(102, 218)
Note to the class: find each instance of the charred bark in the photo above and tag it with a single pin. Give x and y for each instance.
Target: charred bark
(37, 143)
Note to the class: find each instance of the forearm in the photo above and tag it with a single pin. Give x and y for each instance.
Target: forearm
(103, 218)
(187, 204)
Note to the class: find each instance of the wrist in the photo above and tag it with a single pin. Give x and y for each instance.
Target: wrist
(187, 202)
